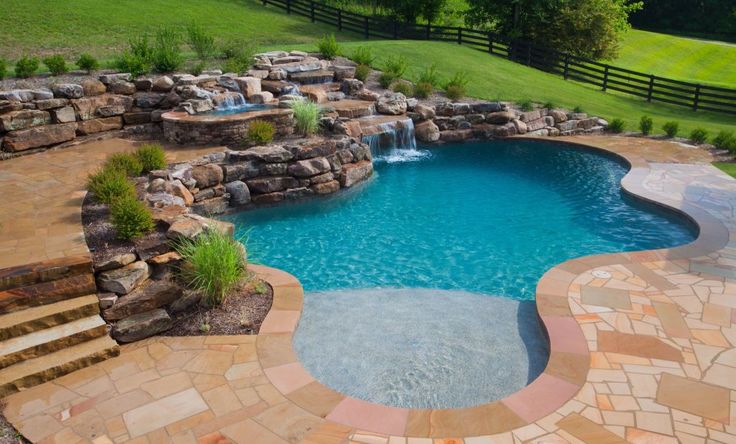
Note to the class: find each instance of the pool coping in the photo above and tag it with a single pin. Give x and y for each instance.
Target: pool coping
(569, 360)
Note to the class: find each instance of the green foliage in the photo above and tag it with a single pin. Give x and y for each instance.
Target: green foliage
(362, 72)
(126, 163)
(396, 65)
(141, 47)
(306, 117)
(429, 75)
(197, 68)
(526, 105)
(386, 79)
(167, 56)
(423, 90)
(201, 41)
(151, 157)
(328, 46)
(130, 62)
(260, 132)
(725, 140)
(549, 105)
(109, 184)
(87, 62)
(3, 68)
(590, 28)
(645, 125)
(616, 126)
(130, 217)
(213, 264)
(454, 92)
(699, 135)
(671, 128)
(26, 67)
(238, 55)
(410, 10)
(578, 109)
(455, 87)
(404, 88)
(56, 64)
(363, 55)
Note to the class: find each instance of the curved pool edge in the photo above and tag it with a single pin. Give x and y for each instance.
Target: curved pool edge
(570, 353)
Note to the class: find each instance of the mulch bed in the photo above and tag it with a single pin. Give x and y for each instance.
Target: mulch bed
(8, 434)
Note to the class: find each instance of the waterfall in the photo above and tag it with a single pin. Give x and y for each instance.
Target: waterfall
(230, 101)
(394, 142)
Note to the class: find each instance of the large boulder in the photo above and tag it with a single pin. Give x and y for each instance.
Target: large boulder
(87, 107)
(427, 131)
(93, 87)
(123, 280)
(99, 125)
(241, 170)
(239, 192)
(162, 84)
(148, 100)
(142, 325)
(309, 167)
(354, 173)
(39, 136)
(151, 245)
(189, 226)
(63, 115)
(177, 188)
(265, 185)
(116, 261)
(67, 90)
(391, 103)
(249, 85)
(425, 112)
(152, 294)
(500, 117)
(124, 88)
(207, 175)
(266, 153)
(18, 120)
(351, 87)
(47, 104)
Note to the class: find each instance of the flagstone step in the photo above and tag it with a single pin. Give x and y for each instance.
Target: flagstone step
(45, 316)
(45, 271)
(50, 340)
(47, 292)
(41, 369)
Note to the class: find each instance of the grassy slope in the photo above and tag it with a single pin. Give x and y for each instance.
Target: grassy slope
(678, 57)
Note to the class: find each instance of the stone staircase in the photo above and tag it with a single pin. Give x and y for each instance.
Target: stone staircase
(50, 322)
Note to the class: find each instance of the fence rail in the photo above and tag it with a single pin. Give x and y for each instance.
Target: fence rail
(646, 86)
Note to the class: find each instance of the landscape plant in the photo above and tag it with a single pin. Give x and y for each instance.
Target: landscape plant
(429, 75)
(238, 55)
(306, 117)
(455, 87)
(87, 62)
(133, 63)
(578, 109)
(130, 217)
(261, 132)
(616, 126)
(699, 136)
(26, 66)
(198, 68)
(363, 55)
(404, 88)
(549, 105)
(671, 128)
(393, 68)
(362, 72)
(214, 264)
(645, 125)
(328, 46)
(423, 90)
(201, 41)
(56, 64)
(725, 140)
(151, 157)
(127, 163)
(109, 184)
(166, 55)
(526, 105)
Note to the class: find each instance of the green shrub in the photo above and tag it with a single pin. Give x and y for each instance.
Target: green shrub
(126, 163)
(197, 68)
(56, 65)
(404, 88)
(238, 55)
(455, 87)
(578, 109)
(454, 92)
(645, 125)
(151, 157)
(328, 46)
(87, 62)
(213, 264)
(617, 126)
(699, 136)
(133, 63)
(306, 117)
(526, 105)
(423, 90)
(130, 218)
(141, 47)
(429, 75)
(26, 67)
(549, 105)
(109, 185)
(260, 132)
(362, 72)
(725, 140)
(396, 65)
(363, 55)
(671, 128)
(202, 42)
(167, 55)
(386, 79)
(3, 68)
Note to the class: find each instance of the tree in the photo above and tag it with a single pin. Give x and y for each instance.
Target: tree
(591, 28)
(431, 9)
(409, 10)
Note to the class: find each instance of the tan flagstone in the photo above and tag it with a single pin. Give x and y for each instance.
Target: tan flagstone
(163, 412)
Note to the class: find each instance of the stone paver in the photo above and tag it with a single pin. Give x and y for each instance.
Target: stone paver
(647, 355)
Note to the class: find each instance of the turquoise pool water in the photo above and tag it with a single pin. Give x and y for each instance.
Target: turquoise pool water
(486, 218)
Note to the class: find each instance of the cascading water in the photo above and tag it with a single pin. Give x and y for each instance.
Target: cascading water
(395, 142)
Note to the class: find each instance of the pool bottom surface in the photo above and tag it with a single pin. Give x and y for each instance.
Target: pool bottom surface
(421, 348)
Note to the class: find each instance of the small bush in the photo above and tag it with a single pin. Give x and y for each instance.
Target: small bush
(386, 79)
(396, 66)
(429, 75)
(455, 87)
(109, 185)
(578, 109)
(362, 72)
(141, 47)
(151, 157)
(454, 92)
(645, 125)
(549, 105)
(130, 217)
(725, 140)
(526, 105)
(26, 67)
(167, 55)
(87, 62)
(56, 65)
(671, 128)
(198, 68)
(363, 56)
(126, 163)
(132, 63)
(213, 264)
(328, 46)
(423, 90)
(260, 132)
(616, 126)
(306, 116)
(699, 136)
(202, 42)
(404, 88)
(3, 68)
(238, 56)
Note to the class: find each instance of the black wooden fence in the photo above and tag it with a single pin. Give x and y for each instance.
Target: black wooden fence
(647, 86)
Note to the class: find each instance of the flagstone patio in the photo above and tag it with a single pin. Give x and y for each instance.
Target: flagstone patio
(643, 350)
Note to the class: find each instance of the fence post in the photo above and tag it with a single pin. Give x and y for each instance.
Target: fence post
(311, 10)
(339, 19)
(365, 27)
(651, 88)
(567, 65)
(459, 35)
(288, 6)
(605, 78)
(396, 29)
(429, 31)
(696, 99)
(490, 43)
(528, 54)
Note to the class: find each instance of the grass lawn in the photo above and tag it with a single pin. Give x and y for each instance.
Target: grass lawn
(726, 167)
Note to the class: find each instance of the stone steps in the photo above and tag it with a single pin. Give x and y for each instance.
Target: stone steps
(45, 316)
(41, 369)
(50, 340)
(46, 271)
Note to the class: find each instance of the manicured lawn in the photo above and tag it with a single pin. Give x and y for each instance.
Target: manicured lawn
(727, 167)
